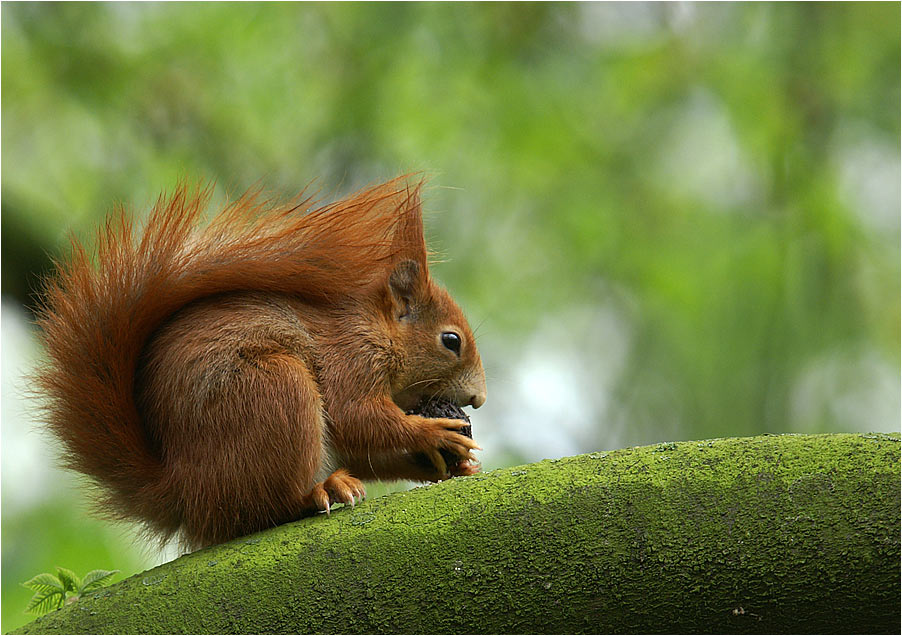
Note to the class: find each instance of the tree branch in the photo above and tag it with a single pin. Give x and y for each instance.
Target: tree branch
(794, 533)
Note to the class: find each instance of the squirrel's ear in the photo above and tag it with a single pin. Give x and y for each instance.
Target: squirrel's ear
(404, 283)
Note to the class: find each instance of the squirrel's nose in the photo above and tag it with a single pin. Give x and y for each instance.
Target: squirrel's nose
(477, 400)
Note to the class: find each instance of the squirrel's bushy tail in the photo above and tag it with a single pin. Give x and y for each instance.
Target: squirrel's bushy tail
(99, 310)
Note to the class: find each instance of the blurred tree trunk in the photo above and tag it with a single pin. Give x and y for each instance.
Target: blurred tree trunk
(767, 534)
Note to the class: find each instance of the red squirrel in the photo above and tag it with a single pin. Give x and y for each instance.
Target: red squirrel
(218, 379)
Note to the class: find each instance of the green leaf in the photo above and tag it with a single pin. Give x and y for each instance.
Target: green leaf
(44, 582)
(95, 579)
(70, 580)
(43, 602)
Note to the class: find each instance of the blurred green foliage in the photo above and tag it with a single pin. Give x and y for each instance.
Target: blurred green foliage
(697, 203)
(58, 533)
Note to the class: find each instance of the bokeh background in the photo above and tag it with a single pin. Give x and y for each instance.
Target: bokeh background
(668, 221)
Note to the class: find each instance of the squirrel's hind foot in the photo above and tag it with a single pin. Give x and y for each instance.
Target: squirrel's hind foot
(339, 487)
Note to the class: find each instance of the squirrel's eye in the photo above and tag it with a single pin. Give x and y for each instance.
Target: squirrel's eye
(451, 341)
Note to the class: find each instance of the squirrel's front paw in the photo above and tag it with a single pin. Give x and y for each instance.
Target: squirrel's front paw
(445, 445)
(339, 487)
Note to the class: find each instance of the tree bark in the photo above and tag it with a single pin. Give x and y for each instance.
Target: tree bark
(790, 533)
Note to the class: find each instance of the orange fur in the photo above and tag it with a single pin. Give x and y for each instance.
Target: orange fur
(210, 378)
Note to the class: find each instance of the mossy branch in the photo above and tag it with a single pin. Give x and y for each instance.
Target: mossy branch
(794, 533)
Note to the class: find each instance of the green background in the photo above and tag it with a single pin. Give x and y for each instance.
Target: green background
(665, 221)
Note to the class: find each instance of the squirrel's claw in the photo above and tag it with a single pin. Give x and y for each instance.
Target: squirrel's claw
(317, 499)
(465, 468)
(437, 461)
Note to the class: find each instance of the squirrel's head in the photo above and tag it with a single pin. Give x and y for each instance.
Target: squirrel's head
(435, 348)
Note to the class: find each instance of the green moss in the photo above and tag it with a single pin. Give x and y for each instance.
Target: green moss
(775, 533)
